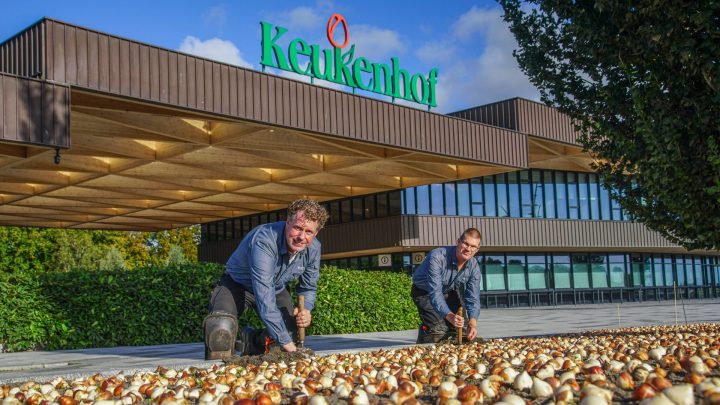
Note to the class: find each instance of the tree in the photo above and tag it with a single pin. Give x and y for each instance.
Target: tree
(642, 81)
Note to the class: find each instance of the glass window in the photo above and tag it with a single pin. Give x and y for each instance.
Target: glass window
(495, 272)
(584, 198)
(410, 206)
(489, 197)
(637, 270)
(549, 189)
(516, 272)
(689, 271)
(346, 210)
(526, 197)
(370, 207)
(572, 196)
(561, 271)
(382, 205)
(364, 262)
(463, 197)
(697, 265)
(245, 226)
(237, 228)
(594, 199)
(617, 270)
(536, 271)
(436, 194)
(282, 215)
(423, 200)
(581, 278)
(476, 195)
(395, 203)
(680, 270)
(357, 209)
(212, 231)
(598, 270)
(353, 263)
(502, 193)
(204, 233)
(264, 218)
(561, 191)
(668, 270)
(616, 211)
(658, 268)
(537, 199)
(513, 195)
(229, 229)
(450, 203)
(648, 273)
(254, 221)
(604, 203)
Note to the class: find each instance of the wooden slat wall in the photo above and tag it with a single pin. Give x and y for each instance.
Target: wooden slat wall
(34, 112)
(525, 116)
(24, 54)
(97, 61)
(526, 233)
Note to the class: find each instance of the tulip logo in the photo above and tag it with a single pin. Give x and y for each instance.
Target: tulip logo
(340, 66)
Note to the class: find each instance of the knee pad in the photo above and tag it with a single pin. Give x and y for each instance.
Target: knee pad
(220, 330)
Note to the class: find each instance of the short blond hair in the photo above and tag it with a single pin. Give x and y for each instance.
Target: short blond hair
(473, 233)
(312, 210)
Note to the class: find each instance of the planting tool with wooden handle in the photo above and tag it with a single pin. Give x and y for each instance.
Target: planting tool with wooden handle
(459, 330)
(301, 331)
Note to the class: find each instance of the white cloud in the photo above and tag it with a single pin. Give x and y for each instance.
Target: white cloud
(434, 52)
(214, 48)
(492, 75)
(375, 43)
(301, 18)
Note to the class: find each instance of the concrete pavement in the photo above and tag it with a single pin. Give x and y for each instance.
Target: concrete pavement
(494, 323)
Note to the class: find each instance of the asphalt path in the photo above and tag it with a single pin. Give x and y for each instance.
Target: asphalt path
(43, 366)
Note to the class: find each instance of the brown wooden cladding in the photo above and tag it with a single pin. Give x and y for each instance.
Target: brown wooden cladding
(24, 54)
(101, 62)
(535, 234)
(34, 112)
(524, 116)
(418, 232)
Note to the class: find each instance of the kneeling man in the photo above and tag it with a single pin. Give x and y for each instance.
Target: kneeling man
(257, 275)
(448, 276)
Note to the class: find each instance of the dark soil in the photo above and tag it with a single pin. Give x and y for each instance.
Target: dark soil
(274, 355)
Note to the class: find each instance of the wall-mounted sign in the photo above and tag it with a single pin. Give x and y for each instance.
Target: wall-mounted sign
(418, 257)
(334, 65)
(384, 260)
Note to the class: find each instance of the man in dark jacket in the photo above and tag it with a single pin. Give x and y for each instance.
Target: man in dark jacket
(257, 275)
(448, 276)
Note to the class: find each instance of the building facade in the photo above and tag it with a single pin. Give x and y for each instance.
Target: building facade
(103, 132)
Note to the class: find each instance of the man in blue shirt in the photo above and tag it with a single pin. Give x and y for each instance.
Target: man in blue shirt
(448, 276)
(257, 275)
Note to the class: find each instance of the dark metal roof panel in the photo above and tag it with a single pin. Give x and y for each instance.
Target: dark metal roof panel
(525, 116)
(34, 112)
(106, 63)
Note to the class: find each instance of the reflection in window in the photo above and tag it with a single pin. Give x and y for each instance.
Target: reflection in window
(516, 272)
(617, 270)
(690, 273)
(667, 266)
(370, 207)
(648, 276)
(680, 270)
(598, 270)
(561, 271)
(561, 190)
(476, 195)
(494, 272)
(395, 203)
(698, 271)
(513, 195)
(604, 203)
(489, 198)
(382, 205)
(436, 194)
(346, 210)
(572, 196)
(450, 203)
(463, 197)
(594, 199)
(583, 197)
(536, 272)
(536, 196)
(580, 271)
(423, 200)
(410, 206)
(501, 195)
(549, 191)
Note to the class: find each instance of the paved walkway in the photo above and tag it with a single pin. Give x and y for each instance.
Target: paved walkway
(42, 365)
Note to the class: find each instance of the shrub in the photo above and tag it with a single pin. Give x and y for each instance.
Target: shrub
(105, 308)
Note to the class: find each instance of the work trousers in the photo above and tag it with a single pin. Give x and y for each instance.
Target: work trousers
(434, 326)
(232, 298)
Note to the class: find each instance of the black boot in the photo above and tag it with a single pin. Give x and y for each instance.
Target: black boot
(246, 344)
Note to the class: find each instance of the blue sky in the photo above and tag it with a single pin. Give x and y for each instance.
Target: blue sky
(466, 40)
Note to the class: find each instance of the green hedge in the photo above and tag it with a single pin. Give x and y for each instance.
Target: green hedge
(81, 309)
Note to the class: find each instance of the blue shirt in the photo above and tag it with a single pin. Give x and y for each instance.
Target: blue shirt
(438, 274)
(260, 264)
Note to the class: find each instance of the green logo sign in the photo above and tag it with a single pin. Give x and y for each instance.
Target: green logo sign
(334, 65)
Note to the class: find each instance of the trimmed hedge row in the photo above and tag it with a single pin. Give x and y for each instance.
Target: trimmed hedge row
(81, 309)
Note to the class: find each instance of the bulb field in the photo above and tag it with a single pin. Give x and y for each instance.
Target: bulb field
(648, 365)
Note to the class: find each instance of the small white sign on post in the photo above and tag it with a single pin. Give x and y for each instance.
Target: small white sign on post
(384, 260)
(418, 257)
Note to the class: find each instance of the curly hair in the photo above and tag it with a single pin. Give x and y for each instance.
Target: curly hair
(312, 210)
